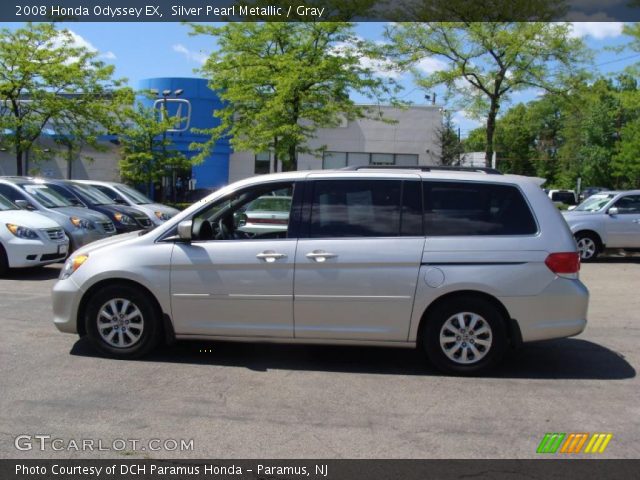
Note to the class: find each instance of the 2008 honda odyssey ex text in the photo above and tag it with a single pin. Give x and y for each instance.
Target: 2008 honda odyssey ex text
(461, 263)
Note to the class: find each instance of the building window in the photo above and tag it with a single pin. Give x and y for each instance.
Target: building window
(263, 163)
(382, 159)
(406, 160)
(331, 160)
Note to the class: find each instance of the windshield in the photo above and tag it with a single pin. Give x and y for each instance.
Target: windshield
(5, 204)
(133, 194)
(92, 194)
(594, 202)
(46, 195)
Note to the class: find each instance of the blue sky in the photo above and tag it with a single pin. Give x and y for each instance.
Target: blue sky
(143, 50)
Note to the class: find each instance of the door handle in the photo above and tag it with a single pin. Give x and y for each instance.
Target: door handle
(320, 255)
(270, 256)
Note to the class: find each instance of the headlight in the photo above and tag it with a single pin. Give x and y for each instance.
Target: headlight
(163, 216)
(22, 232)
(71, 265)
(123, 219)
(82, 223)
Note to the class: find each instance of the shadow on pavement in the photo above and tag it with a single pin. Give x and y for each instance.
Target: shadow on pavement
(617, 259)
(48, 272)
(556, 359)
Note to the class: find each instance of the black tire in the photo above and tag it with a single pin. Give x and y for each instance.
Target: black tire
(4, 263)
(589, 246)
(149, 320)
(487, 316)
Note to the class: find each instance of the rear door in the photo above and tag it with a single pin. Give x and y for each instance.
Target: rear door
(358, 263)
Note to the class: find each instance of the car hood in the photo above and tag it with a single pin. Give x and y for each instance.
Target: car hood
(80, 212)
(578, 214)
(27, 219)
(131, 211)
(163, 208)
(105, 242)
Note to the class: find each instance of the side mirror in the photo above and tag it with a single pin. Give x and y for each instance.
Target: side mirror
(613, 211)
(184, 230)
(120, 201)
(24, 205)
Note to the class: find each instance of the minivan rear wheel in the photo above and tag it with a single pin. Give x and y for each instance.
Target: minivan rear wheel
(122, 322)
(465, 336)
(588, 246)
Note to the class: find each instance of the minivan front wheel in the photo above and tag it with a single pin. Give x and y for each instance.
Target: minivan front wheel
(122, 322)
(465, 336)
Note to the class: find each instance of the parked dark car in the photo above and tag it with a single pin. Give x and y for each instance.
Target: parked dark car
(124, 217)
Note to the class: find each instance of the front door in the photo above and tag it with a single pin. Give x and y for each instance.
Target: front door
(357, 269)
(623, 228)
(230, 281)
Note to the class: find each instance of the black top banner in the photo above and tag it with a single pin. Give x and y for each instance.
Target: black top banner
(318, 10)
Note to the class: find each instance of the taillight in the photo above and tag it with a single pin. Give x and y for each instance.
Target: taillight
(564, 264)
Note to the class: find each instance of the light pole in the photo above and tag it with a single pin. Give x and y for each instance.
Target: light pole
(166, 93)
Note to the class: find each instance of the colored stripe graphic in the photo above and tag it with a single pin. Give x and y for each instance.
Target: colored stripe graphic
(550, 442)
(598, 443)
(574, 442)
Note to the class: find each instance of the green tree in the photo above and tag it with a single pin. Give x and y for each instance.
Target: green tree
(281, 81)
(47, 81)
(147, 155)
(487, 61)
(447, 139)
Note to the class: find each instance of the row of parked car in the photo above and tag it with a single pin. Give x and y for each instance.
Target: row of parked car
(43, 220)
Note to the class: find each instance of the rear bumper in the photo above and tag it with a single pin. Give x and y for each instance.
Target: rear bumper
(560, 310)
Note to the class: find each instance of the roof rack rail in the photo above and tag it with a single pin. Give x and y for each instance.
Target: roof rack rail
(425, 168)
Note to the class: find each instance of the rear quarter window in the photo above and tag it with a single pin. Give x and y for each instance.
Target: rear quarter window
(472, 209)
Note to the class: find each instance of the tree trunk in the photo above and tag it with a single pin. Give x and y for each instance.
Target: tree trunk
(292, 164)
(19, 162)
(491, 128)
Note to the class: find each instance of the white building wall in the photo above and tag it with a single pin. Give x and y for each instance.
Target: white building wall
(414, 132)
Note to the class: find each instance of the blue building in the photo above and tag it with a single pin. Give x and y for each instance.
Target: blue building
(202, 102)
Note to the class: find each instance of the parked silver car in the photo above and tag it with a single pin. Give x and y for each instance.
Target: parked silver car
(81, 225)
(126, 195)
(461, 264)
(606, 220)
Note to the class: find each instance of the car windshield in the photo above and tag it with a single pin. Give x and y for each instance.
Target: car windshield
(95, 196)
(594, 202)
(133, 194)
(46, 195)
(6, 204)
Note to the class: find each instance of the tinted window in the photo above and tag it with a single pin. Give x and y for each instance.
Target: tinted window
(628, 204)
(411, 219)
(567, 198)
(356, 208)
(458, 208)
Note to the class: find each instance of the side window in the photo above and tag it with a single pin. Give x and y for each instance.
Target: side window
(468, 208)
(254, 213)
(11, 193)
(355, 208)
(627, 205)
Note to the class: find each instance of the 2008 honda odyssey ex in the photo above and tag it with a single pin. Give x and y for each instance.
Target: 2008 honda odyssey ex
(459, 263)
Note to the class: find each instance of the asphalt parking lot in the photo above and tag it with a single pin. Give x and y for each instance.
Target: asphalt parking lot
(275, 401)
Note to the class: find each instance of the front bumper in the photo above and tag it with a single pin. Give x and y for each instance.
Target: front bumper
(66, 297)
(559, 311)
(23, 253)
(81, 237)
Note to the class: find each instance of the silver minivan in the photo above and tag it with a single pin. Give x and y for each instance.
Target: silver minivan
(462, 264)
